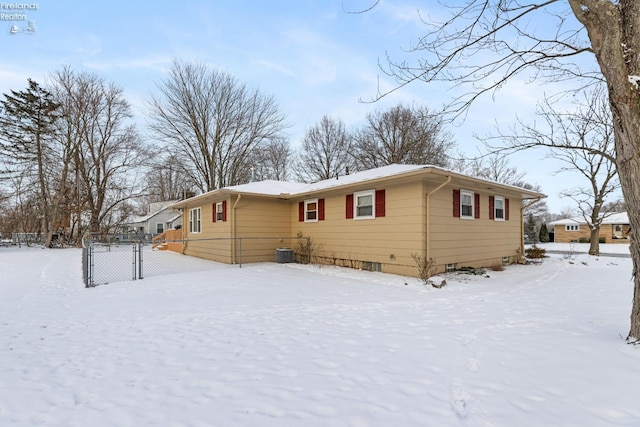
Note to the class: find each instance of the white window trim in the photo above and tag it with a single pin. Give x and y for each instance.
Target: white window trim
(306, 204)
(197, 213)
(371, 193)
(495, 208)
(473, 208)
(162, 225)
(572, 227)
(219, 212)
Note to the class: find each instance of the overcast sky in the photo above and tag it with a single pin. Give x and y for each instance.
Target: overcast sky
(313, 56)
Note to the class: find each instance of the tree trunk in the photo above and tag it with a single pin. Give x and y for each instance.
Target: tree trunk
(594, 245)
(612, 29)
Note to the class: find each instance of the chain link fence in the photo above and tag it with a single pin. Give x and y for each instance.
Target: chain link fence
(110, 259)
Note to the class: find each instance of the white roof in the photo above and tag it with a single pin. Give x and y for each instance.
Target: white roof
(274, 188)
(287, 188)
(381, 172)
(156, 208)
(268, 187)
(617, 218)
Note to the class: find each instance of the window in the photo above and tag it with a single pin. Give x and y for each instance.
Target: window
(220, 211)
(311, 210)
(618, 228)
(466, 204)
(363, 204)
(159, 227)
(371, 266)
(194, 220)
(498, 208)
(366, 204)
(572, 227)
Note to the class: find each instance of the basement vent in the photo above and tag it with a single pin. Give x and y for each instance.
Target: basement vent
(505, 260)
(371, 266)
(449, 268)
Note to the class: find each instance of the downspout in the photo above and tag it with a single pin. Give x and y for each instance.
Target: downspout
(234, 230)
(427, 245)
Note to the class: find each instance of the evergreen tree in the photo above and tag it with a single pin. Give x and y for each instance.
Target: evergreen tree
(544, 233)
(530, 229)
(27, 128)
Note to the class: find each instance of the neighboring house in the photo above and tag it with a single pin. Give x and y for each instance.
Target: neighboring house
(614, 228)
(159, 218)
(375, 219)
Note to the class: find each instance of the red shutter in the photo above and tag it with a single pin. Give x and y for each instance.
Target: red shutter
(506, 209)
(491, 207)
(301, 211)
(380, 203)
(476, 213)
(349, 209)
(213, 208)
(456, 203)
(320, 209)
(224, 210)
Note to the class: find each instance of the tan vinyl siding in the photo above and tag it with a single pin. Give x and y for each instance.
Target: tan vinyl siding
(388, 240)
(264, 225)
(386, 243)
(213, 241)
(478, 242)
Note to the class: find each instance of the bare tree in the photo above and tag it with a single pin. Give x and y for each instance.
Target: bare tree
(402, 135)
(109, 153)
(271, 160)
(582, 137)
(167, 179)
(213, 121)
(326, 151)
(493, 167)
(606, 30)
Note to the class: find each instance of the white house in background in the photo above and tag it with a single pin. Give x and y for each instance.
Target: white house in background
(159, 218)
(615, 228)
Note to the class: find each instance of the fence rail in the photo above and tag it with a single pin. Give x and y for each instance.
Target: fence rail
(108, 260)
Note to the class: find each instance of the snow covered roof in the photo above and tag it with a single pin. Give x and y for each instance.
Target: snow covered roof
(617, 218)
(275, 188)
(292, 189)
(154, 208)
(368, 175)
(268, 187)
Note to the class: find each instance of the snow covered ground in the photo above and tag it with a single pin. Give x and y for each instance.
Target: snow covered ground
(291, 345)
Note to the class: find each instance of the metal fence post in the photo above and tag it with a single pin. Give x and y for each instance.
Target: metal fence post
(133, 264)
(140, 261)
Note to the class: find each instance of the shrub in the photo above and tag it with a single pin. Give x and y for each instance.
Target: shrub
(426, 269)
(306, 250)
(534, 252)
